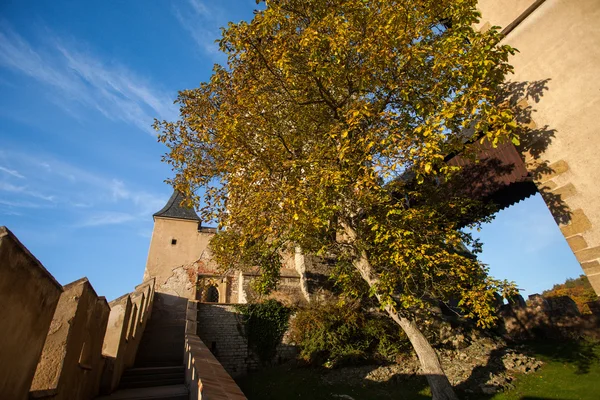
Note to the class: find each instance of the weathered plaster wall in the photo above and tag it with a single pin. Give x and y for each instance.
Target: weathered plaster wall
(71, 364)
(127, 322)
(172, 264)
(115, 342)
(558, 45)
(28, 295)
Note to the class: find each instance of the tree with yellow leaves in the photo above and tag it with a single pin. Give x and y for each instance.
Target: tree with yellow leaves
(327, 131)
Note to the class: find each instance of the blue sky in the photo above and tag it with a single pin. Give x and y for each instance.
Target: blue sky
(80, 170)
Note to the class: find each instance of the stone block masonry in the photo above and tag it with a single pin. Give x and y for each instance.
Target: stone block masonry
(220, 328)
(557, 64)
(205, 376)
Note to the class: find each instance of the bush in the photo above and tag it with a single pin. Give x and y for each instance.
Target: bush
(264, 326)
(337, 332)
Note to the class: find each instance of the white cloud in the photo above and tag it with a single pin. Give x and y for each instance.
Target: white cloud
(9, 187)
(90, 198)
(202, 22)
(105, 218)
(12, 172)
(84, 79)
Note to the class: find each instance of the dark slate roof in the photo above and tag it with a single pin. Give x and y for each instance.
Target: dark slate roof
(174, 209)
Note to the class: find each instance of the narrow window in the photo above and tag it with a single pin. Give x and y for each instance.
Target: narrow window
(173, 241)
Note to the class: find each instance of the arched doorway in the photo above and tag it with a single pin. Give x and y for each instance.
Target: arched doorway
(212, 294)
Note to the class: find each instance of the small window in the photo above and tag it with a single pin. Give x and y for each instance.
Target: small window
(199, 226)
(173, 241)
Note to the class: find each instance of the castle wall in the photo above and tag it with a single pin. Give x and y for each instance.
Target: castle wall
(204, 375)
(172, 264)
(115, 342)
(71, 364)
(558, 50)
(29, 295)
(129, 316)
(221, 330)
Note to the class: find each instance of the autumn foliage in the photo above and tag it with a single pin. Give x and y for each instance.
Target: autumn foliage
(578, 289)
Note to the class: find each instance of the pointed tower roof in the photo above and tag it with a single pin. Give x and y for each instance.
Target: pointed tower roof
(174, 209)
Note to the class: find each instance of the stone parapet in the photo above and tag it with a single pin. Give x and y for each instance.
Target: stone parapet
(29, 295)
(71, 363)
(127, 321)
(205, 376)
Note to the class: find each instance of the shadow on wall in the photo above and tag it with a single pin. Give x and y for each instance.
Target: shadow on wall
(505, 174)
(535, 140)
(164, 336)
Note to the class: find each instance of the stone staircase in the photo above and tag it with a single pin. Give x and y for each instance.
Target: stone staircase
(156, 383)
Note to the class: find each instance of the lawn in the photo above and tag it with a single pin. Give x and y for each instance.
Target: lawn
(571, 372)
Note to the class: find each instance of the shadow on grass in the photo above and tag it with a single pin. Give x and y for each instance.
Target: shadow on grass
(581, 353)
(295, 381)
(291, 381)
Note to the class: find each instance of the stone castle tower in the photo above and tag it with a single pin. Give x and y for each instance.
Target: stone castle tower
(178, 249)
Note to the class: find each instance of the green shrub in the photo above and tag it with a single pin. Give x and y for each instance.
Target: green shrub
(338, 332)
(264, 326)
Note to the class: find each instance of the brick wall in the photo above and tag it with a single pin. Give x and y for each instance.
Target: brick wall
(220, 329)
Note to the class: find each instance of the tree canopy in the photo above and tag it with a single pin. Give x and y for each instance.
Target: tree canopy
(328, 130)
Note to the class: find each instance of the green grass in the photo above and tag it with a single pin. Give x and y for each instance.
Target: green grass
(571, 372)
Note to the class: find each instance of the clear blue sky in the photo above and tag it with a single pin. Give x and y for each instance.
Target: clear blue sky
(80, 170)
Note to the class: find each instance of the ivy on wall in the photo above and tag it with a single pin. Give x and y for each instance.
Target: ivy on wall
(264, 326)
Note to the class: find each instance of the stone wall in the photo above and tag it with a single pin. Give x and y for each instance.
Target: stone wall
(288, 290)
(62, 342)
(205, 376)
(540, 318)
(220, 328)
(29, 295)
(71, 362)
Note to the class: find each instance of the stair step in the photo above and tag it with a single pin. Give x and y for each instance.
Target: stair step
(173, 392)
(154, 370)
(152, 383)
(152, 377)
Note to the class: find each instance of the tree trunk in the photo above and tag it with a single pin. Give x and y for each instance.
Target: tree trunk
(430, 363)
(441, 389)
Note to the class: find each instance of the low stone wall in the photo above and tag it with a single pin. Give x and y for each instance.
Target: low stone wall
(28, 295)
(220, 329)
(553, 317)
(204, 375)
